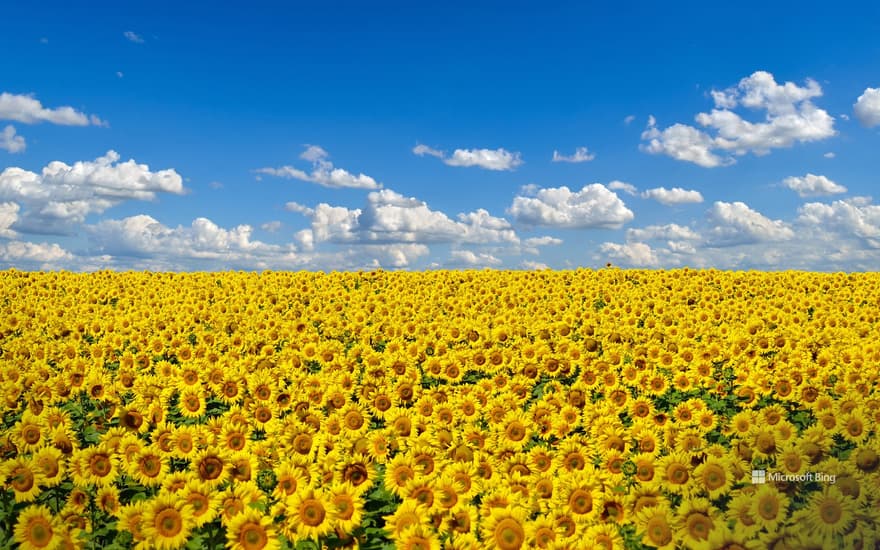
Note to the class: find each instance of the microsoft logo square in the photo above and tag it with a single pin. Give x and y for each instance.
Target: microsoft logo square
(759, 476)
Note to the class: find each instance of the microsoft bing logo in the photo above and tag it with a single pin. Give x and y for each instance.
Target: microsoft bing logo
(759, 476)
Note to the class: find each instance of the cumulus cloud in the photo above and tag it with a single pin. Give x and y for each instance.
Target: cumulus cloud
(627, 188)
(422, 150)
(789, 117)
(132, 36)
(542, 241)
(490, 159)
(867, 107)
(812, 185)
(25, 253)
(473, 259)
(8, 216)
(593, 206)
(272, 226)
(670, 231)
(735, 223)
(633, 254)
(581, 154)
(676, 195)
(143, 236)
(829, 155)
(10, 141)
(855, 216)
(323, 172)
(64, 194)
(28, 110)
(389, 217)
(534, 266)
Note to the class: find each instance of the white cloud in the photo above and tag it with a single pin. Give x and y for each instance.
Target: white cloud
(633, 254)
(472, 259)
(627, 188)
(790, 117)
(676, 195)
(272, 226)
(11, 142)
(132, 36)
(62, 194)
(736, 223)
(18, 252)
(867, 107)
(629, 119)
(28, 110)
(490, 159)
(855, 216)
(682, 142)
(389, 217)
(119, 74)
(8, 216)
(671, 231)
(422, 150)
(593, 206)
(532, 265)
(323, 172)
(581, 154)
(542, 241)
(812, 185)
(203, 242)
(829, 155)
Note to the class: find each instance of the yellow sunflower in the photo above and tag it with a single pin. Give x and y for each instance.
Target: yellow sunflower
(694, 521)
(167, 522)
(204, 501)
(655, 524)
(769, 507)
(828, 515)
(251, 530)
(309, 515)
(505, 528)
(36, 529)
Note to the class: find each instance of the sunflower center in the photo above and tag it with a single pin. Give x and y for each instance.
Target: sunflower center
(312, 512)
(658, 531)
(150, 466)
(100, 465)
(714, 477)
(40, 533)
(22, 480)
(581, 501)
(768, 508)
(253, 537)
(830, 511)
(354, 420)
(698, 525)
(168, 522)
(677, 473)
(509, 534)
(210, 468)
(31, 435)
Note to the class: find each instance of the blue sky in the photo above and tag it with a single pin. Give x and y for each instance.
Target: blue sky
(355, 135)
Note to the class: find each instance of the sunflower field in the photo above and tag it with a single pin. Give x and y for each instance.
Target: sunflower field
(440, 410)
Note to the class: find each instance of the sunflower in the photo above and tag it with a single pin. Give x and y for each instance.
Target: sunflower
(309, 515)
(505, 528)
(829, 514)
(185, 441)
(203, 500)
(36, 529)
(694, 521)
(149, 467)
(417, 537)
(579, 497)
(251, 530)
(714, 477)
(655, 524)
(604, 536)
(460, 520)
(167, 522)
(51, 463)
(24, 477)
(399, 472)
(349, 506)
(675, 471)
(769, 507)
(107, 499)
(237, 498)
(30, 433)
(191, 403)
(211, 467)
